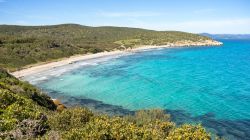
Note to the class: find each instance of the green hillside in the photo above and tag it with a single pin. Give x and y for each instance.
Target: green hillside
(24, 45)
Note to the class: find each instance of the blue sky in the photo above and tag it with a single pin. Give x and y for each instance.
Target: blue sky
(212, 16)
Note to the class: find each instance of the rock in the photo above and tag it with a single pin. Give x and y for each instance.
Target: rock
(59, 106)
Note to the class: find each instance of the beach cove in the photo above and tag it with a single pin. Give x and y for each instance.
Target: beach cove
(36, 68)
(193, 84)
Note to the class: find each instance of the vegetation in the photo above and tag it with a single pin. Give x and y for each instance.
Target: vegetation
(26, 113)
(24, 45)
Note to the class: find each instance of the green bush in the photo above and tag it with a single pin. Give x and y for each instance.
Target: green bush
(24, 89)
(27, 129)
(155, 127)
(194, 132)
(149, 116)
(103, 127)
(16, 109)
(6, 98)
(70, 118)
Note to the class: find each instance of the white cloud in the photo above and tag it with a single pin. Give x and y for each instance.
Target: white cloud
(129, 14)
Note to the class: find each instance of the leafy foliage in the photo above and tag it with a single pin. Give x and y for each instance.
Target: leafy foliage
(189, 132)
(70, 118)
(24, 89)
(104, 127)
(148, 116)
(24, 45)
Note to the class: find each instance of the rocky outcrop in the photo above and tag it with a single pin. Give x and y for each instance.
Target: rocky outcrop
(182, 43)
(187, 43)
(59, 105)
(197, 43)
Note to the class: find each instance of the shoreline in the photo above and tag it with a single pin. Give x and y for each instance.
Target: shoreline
(39, 67)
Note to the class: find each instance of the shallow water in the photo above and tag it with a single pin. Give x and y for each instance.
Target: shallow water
(210, 85)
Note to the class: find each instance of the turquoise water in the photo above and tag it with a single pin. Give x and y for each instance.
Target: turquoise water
(210, 85)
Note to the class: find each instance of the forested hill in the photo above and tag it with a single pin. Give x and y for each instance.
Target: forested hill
(24, 45)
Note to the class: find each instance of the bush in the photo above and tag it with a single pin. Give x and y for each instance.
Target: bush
(149, 116)
(194, 132)
(94, 50)
(27, 129)
(70, 118)
(19, 110)
(4, 74)
(103, 127)
(15, 109)
(24, 89)
(6, 98)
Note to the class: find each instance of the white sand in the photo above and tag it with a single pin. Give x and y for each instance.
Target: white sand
(51, 65)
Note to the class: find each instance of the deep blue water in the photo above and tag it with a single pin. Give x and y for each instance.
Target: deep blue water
(209, 85)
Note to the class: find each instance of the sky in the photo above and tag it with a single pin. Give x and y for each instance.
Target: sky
(196, 16)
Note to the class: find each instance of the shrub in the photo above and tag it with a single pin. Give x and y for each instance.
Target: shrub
(103, 127)
(15, 108)
(27, 129)
(6, 98)
(53, 135)
(194, 132)
(70, 118)
(149, 116)
(3, 73)
(25, 90)
(94, 50)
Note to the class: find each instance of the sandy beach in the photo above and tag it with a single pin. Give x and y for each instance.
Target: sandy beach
(36, 68)
(39, 68)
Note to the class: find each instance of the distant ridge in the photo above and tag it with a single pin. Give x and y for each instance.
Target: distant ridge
(227, 36)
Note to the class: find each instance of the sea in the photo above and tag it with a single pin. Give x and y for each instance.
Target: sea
(205, 85)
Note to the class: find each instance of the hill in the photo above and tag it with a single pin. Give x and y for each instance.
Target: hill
(227, 36)
(27, 113)
(24, 45)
